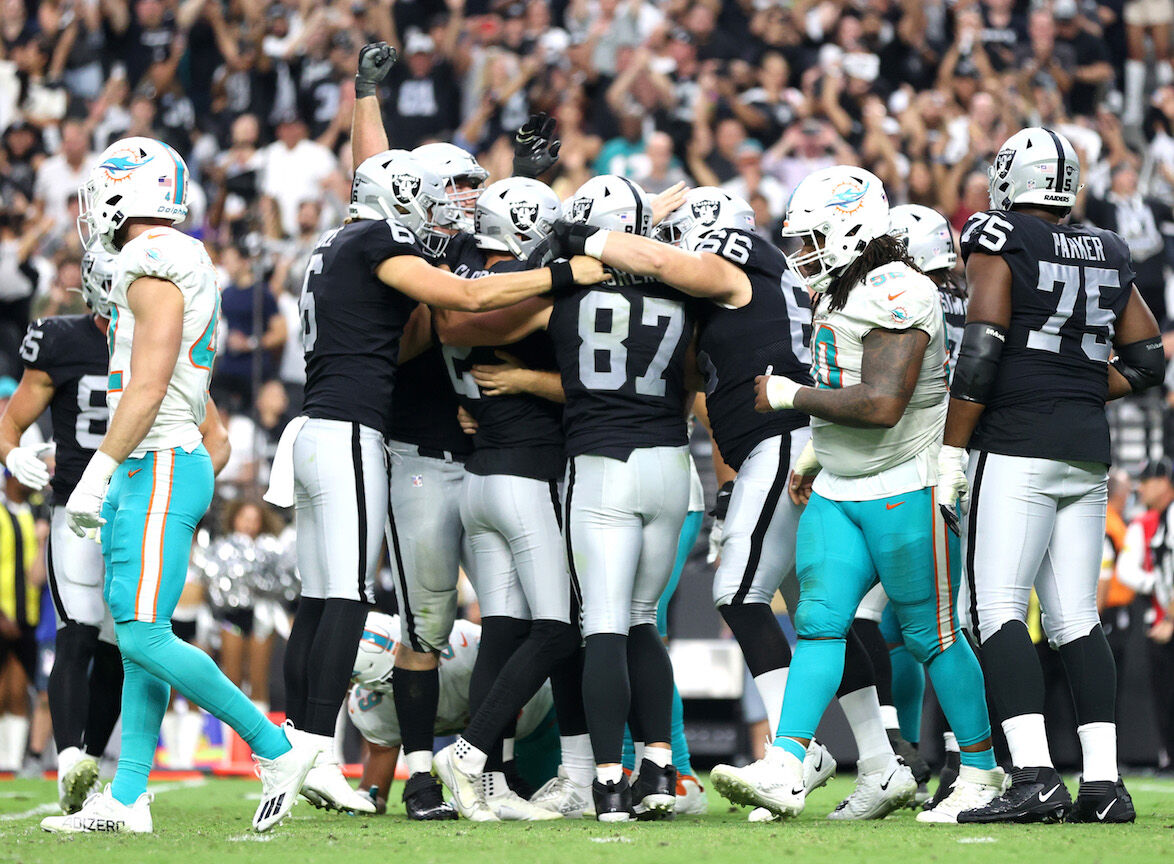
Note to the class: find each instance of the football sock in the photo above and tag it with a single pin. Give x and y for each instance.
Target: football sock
(1098, 743)
(1092, 677)
(771, 687)
(651, 675)
(682, 759)
(858, 672)
(578, 760)
(1016, 680)
(501, 636)
(105, 697)
(661, 757)
(154, 658)
(471, 759)
(298, 652)
(609, 773)
(335, 643)
(869, 634)
(958, 682)
(949, 742)
(419, 761)
(816, 670)
(566, 686)
(416, 693)
(1027, 739)
(606, 695)
(69, 683)
(862, 709)
(908, 692)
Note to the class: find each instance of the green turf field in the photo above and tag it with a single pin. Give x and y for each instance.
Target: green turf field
(209, 821)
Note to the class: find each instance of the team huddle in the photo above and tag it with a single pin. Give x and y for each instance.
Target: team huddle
(502, 383)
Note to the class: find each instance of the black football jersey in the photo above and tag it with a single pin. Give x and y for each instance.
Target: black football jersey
(424, 410)
(621, 354)
(735, 345)
(352, 323)
(1069, 285)
(954, 313)
(519, 434)
(73, 352)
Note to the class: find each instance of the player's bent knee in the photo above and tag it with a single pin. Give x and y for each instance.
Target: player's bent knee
(1069, 630)
(815, 619)
(76, 643)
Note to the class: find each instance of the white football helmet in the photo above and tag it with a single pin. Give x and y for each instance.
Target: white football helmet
(613, 203)
(1035, 166)
(134, 177)
(836, 212)
(706, 209)
(97, 279)
(927, 236)
(396, 185)
(461, 174)
(514, 215)
(375, 658)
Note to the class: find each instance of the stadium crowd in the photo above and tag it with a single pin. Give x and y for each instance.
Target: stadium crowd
(751, 95)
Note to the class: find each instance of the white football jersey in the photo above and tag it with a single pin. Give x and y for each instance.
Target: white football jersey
(866, 464)
(373, 712)
(165, 253)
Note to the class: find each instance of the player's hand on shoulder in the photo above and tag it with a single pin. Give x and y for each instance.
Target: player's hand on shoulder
(587, 271)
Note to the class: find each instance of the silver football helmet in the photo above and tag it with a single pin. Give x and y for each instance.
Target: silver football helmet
(613, 203)
(461, 174)
(706, 209)
(375, 657)
(514, 215)
(927, 236)
(97, 278)
(395, 185)
(1035, 166)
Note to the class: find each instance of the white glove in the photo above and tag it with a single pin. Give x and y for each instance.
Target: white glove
(952, 482)
(780, 392)
(807, 465)
(27, 466)
(84, 508)
(715, 541)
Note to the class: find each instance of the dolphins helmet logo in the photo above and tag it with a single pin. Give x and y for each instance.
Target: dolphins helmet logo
(119, 165)
(848, 196)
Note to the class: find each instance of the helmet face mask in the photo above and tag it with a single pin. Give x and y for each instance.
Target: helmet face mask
(462, 176)
(1035, 166)
(374, 663)
(514, 215)
(97, 279)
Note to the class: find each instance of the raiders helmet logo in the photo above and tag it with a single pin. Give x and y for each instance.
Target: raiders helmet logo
(581, 209)
(524, 216)
(1003, 162)
(705, 212)
(404, 187)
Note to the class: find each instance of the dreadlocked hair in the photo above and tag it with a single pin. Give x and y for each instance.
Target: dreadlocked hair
(882, 250)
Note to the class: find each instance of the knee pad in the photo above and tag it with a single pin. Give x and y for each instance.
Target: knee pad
(1061, 632)
(815, 619)
(557, 638)
(136, 639)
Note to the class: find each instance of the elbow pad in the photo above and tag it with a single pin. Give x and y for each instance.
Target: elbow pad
(1142, 364)
(978, 362)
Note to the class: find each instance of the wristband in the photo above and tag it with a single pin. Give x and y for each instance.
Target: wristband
(99, 469)
(562, 278)
(594, 244)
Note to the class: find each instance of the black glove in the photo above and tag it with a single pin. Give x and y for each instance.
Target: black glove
(375, 61)
(535, 147)
(721, 504)
(567, 239)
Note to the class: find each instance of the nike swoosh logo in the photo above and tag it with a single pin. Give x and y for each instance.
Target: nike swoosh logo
(798, 791)
(1043, 799)
(885, 786)
(1101, 814)
(819, 764)
(895, 296)
(133, 473)
(891, 506)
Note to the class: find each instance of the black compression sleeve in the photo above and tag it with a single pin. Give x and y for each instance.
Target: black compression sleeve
(1142, 364)
(978, 361)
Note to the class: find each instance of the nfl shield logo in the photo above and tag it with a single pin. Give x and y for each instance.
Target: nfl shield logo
(417, 481)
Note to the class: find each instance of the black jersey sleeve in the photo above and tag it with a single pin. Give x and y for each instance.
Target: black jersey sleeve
(390, 240)
(990, 233)
(740, 248)
(39, 346)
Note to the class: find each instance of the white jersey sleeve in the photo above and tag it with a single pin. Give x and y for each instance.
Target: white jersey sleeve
(164, 253)
(864, 464)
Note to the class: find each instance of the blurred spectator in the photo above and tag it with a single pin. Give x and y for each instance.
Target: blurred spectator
(61, 174)
(424, 99)
(294, 169)
(656, 169)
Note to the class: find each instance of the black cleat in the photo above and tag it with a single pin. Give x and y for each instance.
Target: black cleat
(946, 780)
(514, 780)
(424, 799)
(911, 756)
(655, 794)
(613, 801)
(1102, 801)
(1035, 795)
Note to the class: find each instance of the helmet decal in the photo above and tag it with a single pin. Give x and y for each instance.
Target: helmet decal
(1003, 162)
(581, 209)
(523, 215)
(846, 196)
(405, 187)
(705, 210)
(118, 166)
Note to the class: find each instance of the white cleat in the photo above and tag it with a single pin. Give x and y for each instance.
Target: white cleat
(691, 797)
(819, 766)
(465, 788)
(103, 814)
(774, 782)
(282, 778)
(973, 788)
(77, 778)
(878, 793)
(560, 795)
(325, 787)
(512, 807)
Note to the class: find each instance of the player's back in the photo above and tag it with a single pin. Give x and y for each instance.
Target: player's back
(1069, 284)
(352, 323)
(165, 253)
(621, 353)
(736, 345)
(72, 351)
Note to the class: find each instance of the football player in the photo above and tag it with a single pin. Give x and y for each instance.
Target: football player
(66, 361)
(620, 349)
(1050, 302)
(372, 706)
(878, 362)
(150, 480)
